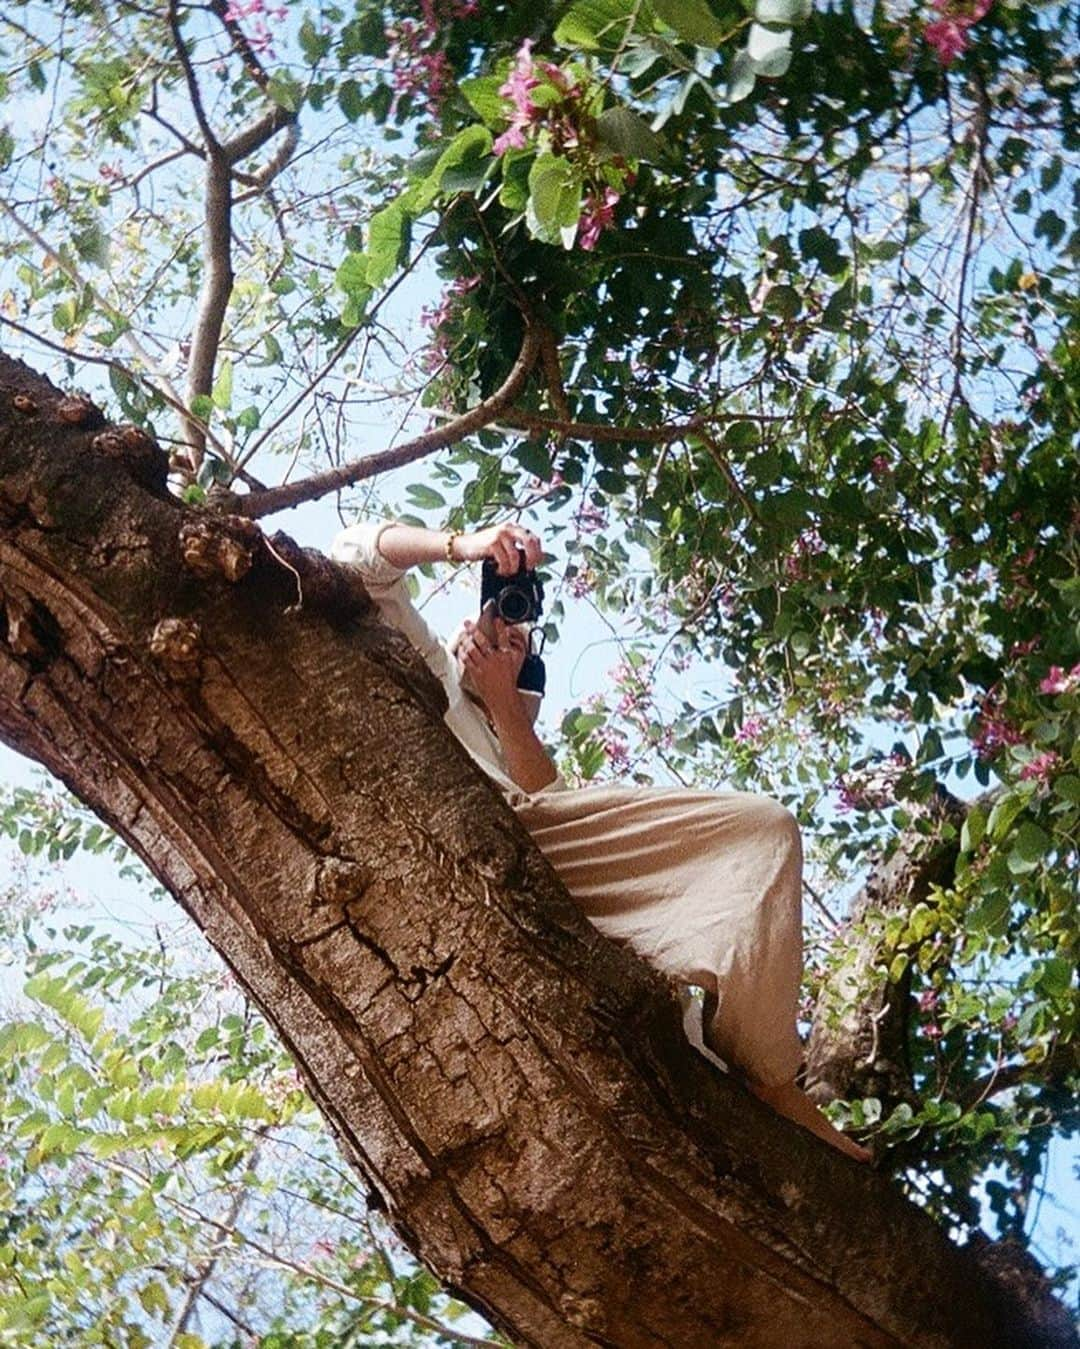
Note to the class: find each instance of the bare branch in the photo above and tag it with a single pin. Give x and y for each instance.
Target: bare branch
(256, 135)
(1062, 1060)
(194, 93)
(258, 504)
(214, 299)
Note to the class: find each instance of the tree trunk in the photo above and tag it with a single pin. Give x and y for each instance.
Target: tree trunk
(515, 1090)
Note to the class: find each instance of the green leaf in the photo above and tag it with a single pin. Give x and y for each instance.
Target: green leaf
(625, 133)
(742, 75)
(782, 11)
(285, 91)
(351, 100)
(1056, 977)
(595, 25)
(1003, 814)
(836, 311)
(1030, 847)
(464, 163)
(974, 829)
(424, 497)
(1068, 788)
(313, 44)
(784, 301)
(482, 95)
(992, 912)
(692, 20)
(386, 243)
(554, 196)
(223, 386)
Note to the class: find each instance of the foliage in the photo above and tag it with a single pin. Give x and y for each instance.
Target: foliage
(162, 1170)
(808, 434)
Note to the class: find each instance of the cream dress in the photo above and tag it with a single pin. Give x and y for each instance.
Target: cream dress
(707, 886)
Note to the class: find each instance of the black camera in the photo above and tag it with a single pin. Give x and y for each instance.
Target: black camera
(517, 599)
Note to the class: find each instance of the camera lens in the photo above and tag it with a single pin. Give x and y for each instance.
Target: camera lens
(514, 605)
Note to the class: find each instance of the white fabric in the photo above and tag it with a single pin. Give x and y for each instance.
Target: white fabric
(706, 886)
(358, 545)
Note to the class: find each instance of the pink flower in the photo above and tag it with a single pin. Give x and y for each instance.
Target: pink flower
(880, 465)
(1042, 767)
(616, 747)
(948, 38)
(597, 214)
(928, 1000)
(513, 138)
(1057, 681)
(933, 1031)
(991, 731)
(750, 731)
(949, 34)
(518, 87)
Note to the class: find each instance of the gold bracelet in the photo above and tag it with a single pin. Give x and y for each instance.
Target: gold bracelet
(450, 547)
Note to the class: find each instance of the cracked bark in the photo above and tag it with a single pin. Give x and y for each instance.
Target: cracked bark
(515, 1090)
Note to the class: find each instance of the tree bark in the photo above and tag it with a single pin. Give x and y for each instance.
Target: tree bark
(516, 1090)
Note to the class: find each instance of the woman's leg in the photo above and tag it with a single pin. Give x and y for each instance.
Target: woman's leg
(789, 1099)
(707, 886)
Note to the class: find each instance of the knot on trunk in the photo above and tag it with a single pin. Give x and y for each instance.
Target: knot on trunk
(177, 644)
(140, 454)
(337, 881)
(219, 546)
(78, 411)
(22, 402)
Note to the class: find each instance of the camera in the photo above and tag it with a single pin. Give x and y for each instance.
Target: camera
(516, 599)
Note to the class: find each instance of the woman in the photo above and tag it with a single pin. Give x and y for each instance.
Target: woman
(707, 886)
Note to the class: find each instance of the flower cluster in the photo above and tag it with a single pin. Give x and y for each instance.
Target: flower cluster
(992, 731)
(597, 214)
(751, 731)
(259, 36)
(559, 115)
(634, 694)
(438, 319)
(872, 787)
(948, 35)
(525, 114)
(1057, 681)
(417, 57)
(797, 563)
(1042, 767)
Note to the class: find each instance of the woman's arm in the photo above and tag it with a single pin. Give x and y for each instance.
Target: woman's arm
(526, 758)
(407, 545)
(494, 669)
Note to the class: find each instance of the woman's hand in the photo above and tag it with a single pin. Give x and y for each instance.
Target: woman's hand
(504, 543)
(493, 667)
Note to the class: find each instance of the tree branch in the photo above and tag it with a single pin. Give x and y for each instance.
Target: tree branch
(1062, 1060)
(194, 93)
(257, 504)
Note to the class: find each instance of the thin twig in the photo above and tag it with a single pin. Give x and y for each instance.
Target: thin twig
(258, 504)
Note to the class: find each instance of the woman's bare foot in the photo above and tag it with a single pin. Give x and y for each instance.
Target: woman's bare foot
(790, 1100)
